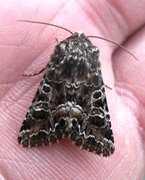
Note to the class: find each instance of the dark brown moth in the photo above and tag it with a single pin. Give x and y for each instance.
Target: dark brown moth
(70, 100)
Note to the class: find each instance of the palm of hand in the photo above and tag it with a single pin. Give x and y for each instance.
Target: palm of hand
(23, 43)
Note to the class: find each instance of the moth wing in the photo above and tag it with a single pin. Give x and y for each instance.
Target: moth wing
(94, 133)
(40, 126)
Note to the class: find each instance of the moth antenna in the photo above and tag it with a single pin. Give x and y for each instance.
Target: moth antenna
(98, 37)
(38, 22)
(122, 47)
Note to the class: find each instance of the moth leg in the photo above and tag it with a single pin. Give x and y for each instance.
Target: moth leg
(57, 40)
(107, 86)
(37, 73)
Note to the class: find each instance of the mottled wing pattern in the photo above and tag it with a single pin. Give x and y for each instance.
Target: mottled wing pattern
(71, 101)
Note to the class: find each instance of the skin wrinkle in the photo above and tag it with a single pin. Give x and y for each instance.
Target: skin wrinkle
(119, 10)
(95, 10)
(130, 92)
(10, 92)
(125, 90)
(111, 12)
(123, 26)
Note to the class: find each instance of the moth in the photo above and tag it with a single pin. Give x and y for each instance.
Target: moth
(70, 100)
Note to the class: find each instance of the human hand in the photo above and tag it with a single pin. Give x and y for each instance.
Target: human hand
(26, 48)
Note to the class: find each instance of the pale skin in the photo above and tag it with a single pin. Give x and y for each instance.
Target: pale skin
(25, 48)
